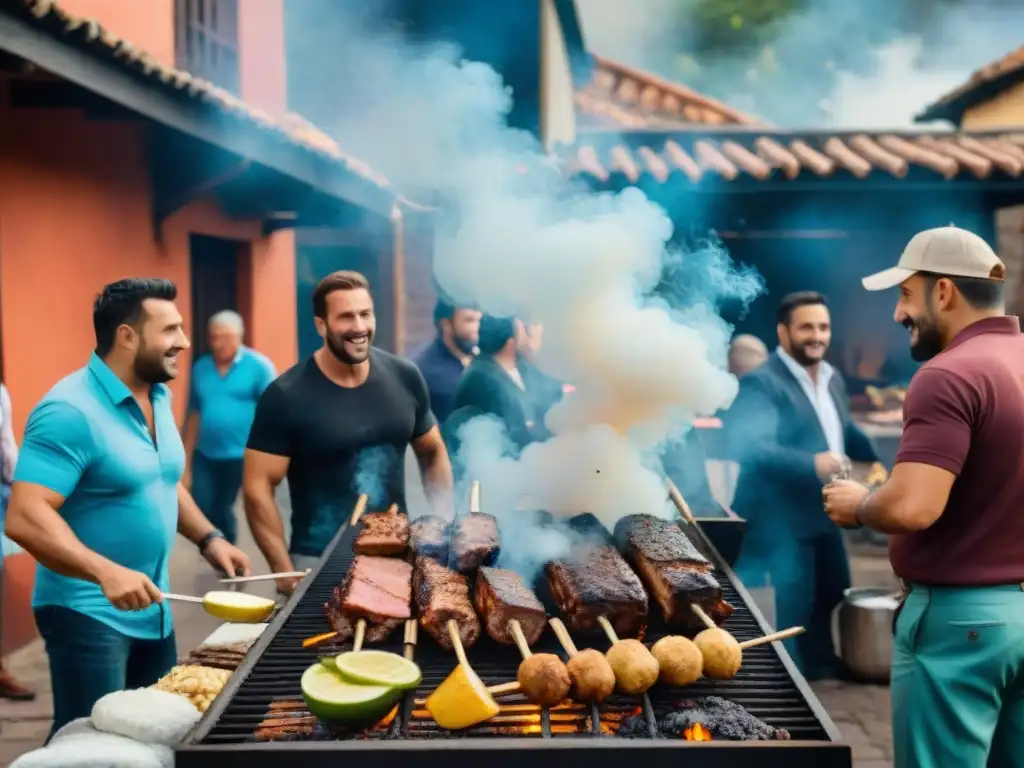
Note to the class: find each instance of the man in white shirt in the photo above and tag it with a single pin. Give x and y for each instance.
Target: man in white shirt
(791, 430)
(10, 688)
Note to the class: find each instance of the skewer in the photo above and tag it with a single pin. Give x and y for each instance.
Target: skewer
(474, 498)
(266, 577)
(780, 635)
(680, 503)
(360, 507)
(591, 675)
(409, 643)
(543, 676)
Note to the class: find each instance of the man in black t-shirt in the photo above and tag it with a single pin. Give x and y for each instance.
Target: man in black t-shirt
(338, 424)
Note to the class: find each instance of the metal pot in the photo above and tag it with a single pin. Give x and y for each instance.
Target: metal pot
(865, 632)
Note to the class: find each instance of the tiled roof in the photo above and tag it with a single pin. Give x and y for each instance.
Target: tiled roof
(1001, 73)
(101, 41)
(760, 155)
(619, 96)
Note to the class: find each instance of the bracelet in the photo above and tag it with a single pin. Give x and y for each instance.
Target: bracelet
(208, 539)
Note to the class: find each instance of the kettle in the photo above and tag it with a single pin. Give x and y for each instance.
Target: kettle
(864, 627)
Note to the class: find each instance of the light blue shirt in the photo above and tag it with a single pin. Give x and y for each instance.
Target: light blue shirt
(818, 393)
(227, 404)
(88, 441)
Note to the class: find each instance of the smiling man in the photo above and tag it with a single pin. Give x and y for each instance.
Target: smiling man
(338, 424)
(791, 430)
(955, 502)
(98, 499)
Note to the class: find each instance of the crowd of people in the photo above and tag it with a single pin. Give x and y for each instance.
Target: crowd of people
(105, 482)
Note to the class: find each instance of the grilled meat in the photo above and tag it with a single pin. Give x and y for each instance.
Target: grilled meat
(428, 537)
(595, 581)
(677, 575)
(500, 597)
(384, 534)
(378, 589)
(474, 542)
(442, 595)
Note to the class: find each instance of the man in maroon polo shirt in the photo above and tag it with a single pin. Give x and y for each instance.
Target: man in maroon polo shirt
(955, 504)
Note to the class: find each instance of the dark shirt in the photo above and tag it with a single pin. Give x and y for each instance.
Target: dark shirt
(543, 390)
(442, 371)
(963, 413)
(341, 441)
(486, 388)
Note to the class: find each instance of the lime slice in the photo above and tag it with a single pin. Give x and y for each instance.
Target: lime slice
(378, 668)
(329, 697)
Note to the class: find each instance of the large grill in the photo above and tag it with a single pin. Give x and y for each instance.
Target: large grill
(266, 688)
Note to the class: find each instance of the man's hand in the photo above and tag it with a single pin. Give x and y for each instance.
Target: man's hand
(226, 557)
(128, 590)
(828, 464)
(841, 499)
(287, 586)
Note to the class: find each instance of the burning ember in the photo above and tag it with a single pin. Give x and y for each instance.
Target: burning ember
(707, 719)
(291, 721)
(697, 732)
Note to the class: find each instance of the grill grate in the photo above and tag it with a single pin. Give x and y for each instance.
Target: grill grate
(266, 688)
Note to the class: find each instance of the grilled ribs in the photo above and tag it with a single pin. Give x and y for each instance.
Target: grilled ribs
(500, 597)
(594, 580)
(677, 575)
(378, 589)
(442, 595)
(474, 542)
(384, 534)
(428, 537)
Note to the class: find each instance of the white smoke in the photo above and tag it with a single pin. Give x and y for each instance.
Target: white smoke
(518, 239)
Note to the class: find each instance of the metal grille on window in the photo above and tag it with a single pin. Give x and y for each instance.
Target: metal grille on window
(206, 40)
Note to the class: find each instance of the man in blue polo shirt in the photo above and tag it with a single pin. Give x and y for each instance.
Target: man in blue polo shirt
(97, 500)
(226, 385)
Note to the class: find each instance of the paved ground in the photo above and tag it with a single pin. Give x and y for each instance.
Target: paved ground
(860, 711)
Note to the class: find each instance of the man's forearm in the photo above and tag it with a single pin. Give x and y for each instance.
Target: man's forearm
(192, 523)
(436, 473)
(42, 532)
(879, 511)
(265, 523)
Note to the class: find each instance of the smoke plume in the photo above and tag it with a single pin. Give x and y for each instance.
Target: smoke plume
(521, 240)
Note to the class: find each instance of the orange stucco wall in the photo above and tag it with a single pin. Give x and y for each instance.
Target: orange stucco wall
(75, 213)
(146, 24)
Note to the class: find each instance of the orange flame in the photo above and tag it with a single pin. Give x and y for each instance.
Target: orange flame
(697, 732)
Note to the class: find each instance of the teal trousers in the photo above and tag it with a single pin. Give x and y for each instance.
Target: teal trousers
(958, 678)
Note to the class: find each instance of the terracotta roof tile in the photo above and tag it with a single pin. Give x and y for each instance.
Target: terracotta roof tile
(951, 105)
(619, 96)
(734, 155)
(89, 33)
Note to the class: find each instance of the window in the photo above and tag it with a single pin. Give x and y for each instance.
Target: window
(206, 40)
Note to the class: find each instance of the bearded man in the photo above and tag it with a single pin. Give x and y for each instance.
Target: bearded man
(953, 507)
(443, 361)
(98, 500)
(791, 431)
(337, 425)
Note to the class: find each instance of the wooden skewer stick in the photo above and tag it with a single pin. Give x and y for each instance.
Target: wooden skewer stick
(357, 642)
(460, 652)
(474, 498)
(516, 630)
(608, 629)
(680, 502)
(411, 630)
(360, 507)
(494, 690)
(563, 636)
(780, 635)
(702, 615)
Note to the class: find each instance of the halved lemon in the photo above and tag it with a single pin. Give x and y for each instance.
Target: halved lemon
(332, 698)
(238, 607)
(378, 668)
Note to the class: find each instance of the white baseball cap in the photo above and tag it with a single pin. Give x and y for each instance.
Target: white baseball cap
(941, 251)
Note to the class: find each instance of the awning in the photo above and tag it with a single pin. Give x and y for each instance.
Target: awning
(87, 54)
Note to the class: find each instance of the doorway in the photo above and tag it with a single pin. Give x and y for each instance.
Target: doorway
(213, 264)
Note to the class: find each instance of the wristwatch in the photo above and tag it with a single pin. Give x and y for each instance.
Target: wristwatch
(208, 539)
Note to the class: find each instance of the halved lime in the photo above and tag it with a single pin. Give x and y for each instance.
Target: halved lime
(328, 661)
(378, 668)
(329, 697)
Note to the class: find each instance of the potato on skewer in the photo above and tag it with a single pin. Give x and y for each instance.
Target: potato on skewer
(542, 677)
(592, 677)
(723, 654)
(680, 661)
(636, 670)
